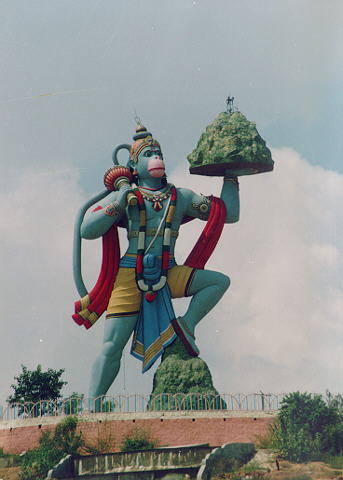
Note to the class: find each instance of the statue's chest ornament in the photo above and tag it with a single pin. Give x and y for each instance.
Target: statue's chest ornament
(150, 287)
(156, 198)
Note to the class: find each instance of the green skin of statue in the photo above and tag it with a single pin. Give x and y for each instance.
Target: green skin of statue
(207, 286)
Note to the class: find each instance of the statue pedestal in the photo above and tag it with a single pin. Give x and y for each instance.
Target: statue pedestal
(182, 382)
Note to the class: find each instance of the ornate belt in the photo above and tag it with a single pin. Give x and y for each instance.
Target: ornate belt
(151, 233)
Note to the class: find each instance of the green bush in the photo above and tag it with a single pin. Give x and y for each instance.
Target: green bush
(307, 427)
(334, 400)
(230, 458)
(240, 453)
(66, 438)
(296, 445)
(334, 461)
(53, 446)
(137, 439)
(37, 462)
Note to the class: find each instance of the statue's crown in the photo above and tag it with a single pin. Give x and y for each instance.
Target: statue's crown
(141, 139)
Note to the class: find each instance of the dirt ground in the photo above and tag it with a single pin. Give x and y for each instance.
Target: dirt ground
(289, 471)
(10, 473)
(314, 470)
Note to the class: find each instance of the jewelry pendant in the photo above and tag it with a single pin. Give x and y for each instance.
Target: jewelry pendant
(150, 296)
(157, 206)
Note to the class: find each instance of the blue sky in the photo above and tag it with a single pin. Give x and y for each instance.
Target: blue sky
(73, 73)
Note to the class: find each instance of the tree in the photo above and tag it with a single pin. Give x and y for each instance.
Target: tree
(308, 427)
(36, 385)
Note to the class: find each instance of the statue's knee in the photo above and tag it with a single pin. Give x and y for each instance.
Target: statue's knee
(224, 281)
(111, 351)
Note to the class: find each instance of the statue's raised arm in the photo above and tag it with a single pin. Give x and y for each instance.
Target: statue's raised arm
(199, 205)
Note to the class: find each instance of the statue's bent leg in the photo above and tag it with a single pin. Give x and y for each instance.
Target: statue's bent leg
(105, 368)
(206, 289)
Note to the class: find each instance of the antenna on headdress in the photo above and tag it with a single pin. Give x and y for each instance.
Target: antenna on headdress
(137, 118)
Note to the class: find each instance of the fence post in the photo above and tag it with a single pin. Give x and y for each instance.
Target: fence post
(262, 399)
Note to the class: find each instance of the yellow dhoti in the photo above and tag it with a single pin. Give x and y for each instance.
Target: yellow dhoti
(126, 298)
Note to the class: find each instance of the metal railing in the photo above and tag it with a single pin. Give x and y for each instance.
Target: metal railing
(143, 403)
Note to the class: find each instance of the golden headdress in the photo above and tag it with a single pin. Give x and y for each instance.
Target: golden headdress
(141, 139)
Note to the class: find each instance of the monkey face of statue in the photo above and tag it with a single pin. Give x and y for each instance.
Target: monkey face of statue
(150, 163)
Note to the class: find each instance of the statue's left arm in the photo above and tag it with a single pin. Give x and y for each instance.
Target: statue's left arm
(198, 206)
(230, 196)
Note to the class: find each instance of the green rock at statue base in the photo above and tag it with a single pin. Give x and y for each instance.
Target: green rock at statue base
(183, 382)
(231, 142)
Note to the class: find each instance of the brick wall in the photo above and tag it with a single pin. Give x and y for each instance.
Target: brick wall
(17, 440)
(172, 431)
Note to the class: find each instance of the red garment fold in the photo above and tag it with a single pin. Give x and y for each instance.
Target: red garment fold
(99, 296)
(209, 237)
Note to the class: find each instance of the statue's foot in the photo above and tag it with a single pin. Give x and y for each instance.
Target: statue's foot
(188, 339)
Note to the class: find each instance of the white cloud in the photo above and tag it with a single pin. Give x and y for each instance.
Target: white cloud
(277, 328)
(326, 254)
(284, 308)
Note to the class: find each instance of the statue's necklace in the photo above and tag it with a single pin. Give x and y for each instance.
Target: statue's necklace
(142, 285)
(156, 198)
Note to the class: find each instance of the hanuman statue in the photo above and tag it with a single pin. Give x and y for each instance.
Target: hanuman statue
(136, 289)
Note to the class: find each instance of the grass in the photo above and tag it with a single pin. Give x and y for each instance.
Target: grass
(254, 467)
(264, 441)
(297, 477)
(334, 461)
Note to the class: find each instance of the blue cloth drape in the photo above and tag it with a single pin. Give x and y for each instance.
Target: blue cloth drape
(153, 331)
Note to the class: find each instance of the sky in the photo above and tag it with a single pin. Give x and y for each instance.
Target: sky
(74, 73)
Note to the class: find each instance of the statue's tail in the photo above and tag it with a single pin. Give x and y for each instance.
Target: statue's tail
(93, 304)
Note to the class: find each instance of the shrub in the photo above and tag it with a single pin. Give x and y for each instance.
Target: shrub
(307, 427)
(104, 441)
(264, 441)
(37, 462)
(240, 453)
(137, 439)
(335, 461)
(229, 458)
(334, 400)
(296, 445)
(66, 438)
(53, 446)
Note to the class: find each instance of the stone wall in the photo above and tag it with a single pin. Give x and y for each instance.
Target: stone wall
(169, 428)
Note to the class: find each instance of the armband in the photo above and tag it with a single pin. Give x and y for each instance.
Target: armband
(113, 209)
(233, 180)
(204, 206)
